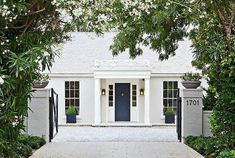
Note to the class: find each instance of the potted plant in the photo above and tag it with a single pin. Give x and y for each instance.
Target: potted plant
(169, 115)
(41, 82)
(191, 80)
(71, 114)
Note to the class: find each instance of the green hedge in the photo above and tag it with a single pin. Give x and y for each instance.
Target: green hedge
(209, 147)
(27, 143)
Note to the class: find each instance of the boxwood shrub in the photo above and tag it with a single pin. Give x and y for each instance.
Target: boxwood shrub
(209, 147)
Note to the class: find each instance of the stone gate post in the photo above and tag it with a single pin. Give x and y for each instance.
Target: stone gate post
(38, 114)
(192, 112)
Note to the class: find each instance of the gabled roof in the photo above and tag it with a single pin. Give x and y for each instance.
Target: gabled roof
(80, 54)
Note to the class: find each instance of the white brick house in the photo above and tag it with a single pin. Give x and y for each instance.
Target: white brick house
(108, 90)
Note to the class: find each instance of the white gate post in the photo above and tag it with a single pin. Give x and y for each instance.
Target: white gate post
(38, 114)
(191, 112)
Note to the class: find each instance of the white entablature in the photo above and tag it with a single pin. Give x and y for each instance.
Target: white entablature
(122, 65)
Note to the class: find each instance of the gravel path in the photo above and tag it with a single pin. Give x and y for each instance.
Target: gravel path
(116, 134)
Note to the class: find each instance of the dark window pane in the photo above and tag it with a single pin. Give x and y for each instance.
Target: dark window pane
(169, 93)
(170, 102)
(110, 104)
(78, 110)
(110, 92)
(133, 97)
(110, 87)
(170, 85)
(71, 93)
(110, 98)
(76, 85)
(133, 103)
(175, 94)
(66, 85)
(165, 102)
(76, 93)
(164, 85)
(133, 87)
(174, 102)
(164, 93)
(66, 102)
(134, 93)
(77, 102)
(71, 102)
(66, 93)
(72, 86)
(175, 85)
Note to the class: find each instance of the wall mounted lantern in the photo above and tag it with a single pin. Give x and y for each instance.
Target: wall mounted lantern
(103, 92)
(141, 91)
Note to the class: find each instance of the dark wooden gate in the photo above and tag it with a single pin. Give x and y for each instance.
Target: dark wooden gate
(179, 116)
(53, 115)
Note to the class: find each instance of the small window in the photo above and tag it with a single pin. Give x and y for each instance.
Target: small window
(110, 95)
(169, 94)
(134, 99)
(72, 95)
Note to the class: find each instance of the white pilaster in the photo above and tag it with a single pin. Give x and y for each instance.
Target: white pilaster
(147, 101)
(97, 102)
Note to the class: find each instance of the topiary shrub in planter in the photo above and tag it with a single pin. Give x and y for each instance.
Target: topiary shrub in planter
(191, 80)
(71, 115)
(169, 115)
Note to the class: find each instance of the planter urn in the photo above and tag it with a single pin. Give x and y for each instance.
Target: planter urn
(71, 119)
(40, 84)
(191, 84)
(169, 118)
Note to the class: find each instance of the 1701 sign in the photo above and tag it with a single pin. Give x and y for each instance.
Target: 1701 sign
(192, 102)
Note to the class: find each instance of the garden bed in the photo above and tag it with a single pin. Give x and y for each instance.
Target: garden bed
(209, 147)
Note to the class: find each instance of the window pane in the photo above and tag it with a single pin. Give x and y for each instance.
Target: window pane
(170, 85)
(110, 92)
(169, 93)
(174, 102)
(133, 87)
(76, 93)
(66, 102)
(76, 102)
(110, 98)
(78, 110)
(134, 93)
(71, 102)
(164, 93)
(76, 85)
(164, 85)
(133, 98)
(175, 94)
(66, 85)
(66, 93)
(71, 93)
(110, 104)
(165, 102)
(175, 85)
(133, 103)
(72, 86)
(170, 102)
(110, 87)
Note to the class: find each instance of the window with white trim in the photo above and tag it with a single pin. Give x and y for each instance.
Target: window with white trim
(169, 94)
(110, 95)
(134, 99)
(72, 95)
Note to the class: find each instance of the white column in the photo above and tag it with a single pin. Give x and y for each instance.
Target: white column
(97, 102)
(147, 101)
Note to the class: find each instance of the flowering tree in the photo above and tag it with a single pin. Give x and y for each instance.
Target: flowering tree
(30, 31)
(161, 24)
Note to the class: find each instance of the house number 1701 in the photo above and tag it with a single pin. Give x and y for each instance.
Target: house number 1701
(192, 102)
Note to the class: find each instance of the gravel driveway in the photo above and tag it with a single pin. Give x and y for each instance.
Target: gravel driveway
(115, 134)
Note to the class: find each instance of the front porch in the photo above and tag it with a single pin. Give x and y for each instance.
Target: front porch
(122, 93)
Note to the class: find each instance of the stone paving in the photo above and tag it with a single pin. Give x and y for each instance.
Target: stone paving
(116, 142)
(116, 134)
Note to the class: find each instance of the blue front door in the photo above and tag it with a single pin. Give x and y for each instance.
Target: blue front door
(122, 102)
